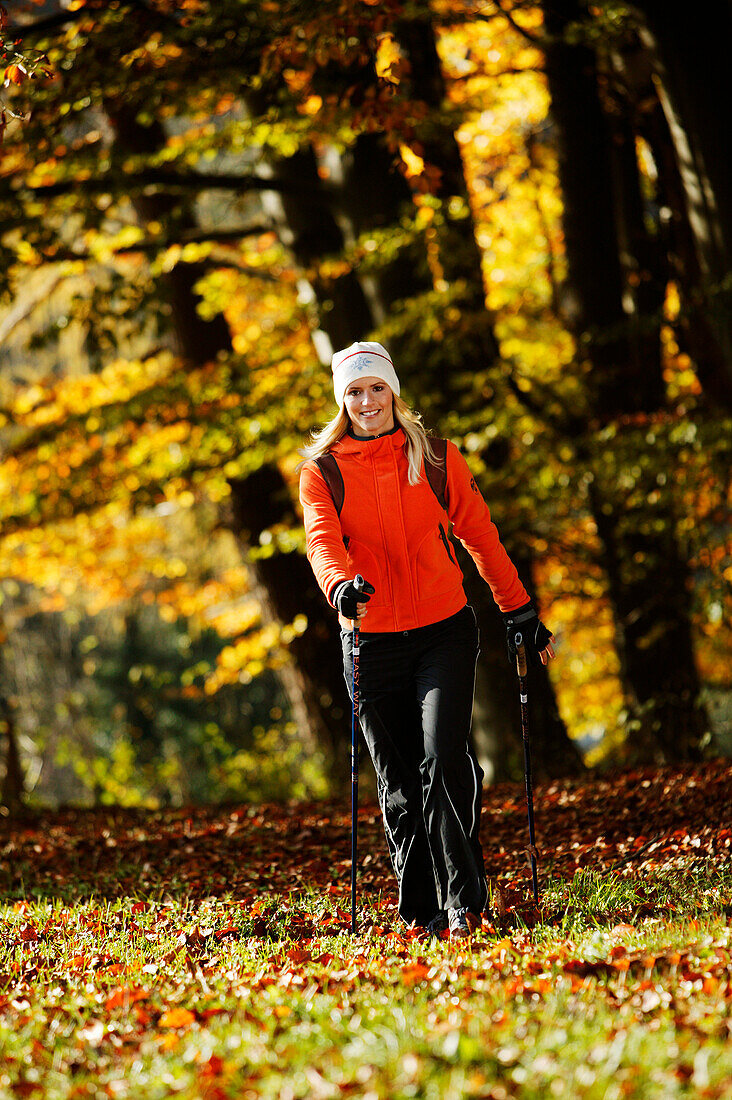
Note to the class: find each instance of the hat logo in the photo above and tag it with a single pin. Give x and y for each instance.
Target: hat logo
(360, 362)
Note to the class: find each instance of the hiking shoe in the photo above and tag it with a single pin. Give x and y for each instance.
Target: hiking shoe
(462, 923)
(437, 926)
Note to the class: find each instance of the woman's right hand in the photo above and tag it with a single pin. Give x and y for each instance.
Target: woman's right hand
(352, 624)
(351, 601)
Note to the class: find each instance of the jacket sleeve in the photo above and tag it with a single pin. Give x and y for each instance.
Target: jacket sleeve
(473, 525)
(323, 536)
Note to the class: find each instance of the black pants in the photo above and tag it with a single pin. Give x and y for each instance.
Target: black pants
(415, 709)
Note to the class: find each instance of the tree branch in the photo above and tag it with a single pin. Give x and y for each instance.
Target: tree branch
(199, 236)
(498, 72)
(536, 40)
(36, 30)
(152, 246)
(24, 307)
(61, 18)
(170, 181)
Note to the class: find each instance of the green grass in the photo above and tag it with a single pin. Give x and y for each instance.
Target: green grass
(620, 986)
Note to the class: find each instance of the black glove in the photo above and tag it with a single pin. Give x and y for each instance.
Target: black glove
(534, 635)
(346, 595)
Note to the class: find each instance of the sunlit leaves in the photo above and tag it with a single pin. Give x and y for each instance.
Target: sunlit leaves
(17, 66)
(212, 948)
(250, 654)
(390, 62)
(56, 402)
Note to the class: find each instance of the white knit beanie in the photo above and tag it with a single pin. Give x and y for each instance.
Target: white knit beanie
(363, 359)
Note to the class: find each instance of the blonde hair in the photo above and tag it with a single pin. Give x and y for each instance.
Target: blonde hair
(417, 441)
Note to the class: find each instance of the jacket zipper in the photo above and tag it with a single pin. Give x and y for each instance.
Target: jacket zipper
(446, 544)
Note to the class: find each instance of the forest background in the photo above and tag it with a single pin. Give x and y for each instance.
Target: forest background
(199, 201)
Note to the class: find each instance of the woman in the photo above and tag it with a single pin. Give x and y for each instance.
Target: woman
(371, 508)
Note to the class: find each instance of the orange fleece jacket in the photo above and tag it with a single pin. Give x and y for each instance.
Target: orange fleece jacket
(395, 535)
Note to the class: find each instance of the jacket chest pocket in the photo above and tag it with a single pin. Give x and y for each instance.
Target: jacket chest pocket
(436, 565)
(448, 546)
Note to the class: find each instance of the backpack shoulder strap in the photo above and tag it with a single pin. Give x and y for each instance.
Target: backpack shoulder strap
(436, 471)
(333, 479)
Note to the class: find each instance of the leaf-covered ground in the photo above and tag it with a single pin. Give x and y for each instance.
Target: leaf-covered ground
(206, 953)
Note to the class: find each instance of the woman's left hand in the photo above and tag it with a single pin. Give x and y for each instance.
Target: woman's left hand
(524, 627)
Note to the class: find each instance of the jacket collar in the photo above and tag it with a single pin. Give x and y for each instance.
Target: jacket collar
(349, 444)
(367, 438)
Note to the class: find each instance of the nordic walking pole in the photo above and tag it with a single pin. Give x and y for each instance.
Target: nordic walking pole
(358, 584)
(522, 669)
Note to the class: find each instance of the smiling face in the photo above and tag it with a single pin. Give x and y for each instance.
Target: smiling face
(369, 404)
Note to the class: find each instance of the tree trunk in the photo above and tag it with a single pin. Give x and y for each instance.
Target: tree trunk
(310, 230)
(13, 787)
(651, 599)
(372, 197)
(643, 260)
(467, 344)
(692, 60)
(696, 332)
(477, 349)
(284, 585)
(497, 732)
(286, 588)
(12, 793)
(196, 339)
(641, 556)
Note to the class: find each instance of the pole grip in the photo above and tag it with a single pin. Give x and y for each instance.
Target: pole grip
(521, 665)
